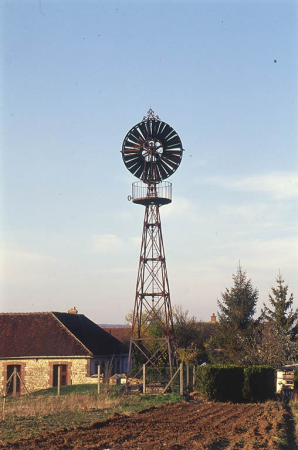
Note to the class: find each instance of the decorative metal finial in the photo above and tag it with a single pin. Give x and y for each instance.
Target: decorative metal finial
(150, 115)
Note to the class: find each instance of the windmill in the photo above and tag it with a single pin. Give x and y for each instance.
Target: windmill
(152, 151)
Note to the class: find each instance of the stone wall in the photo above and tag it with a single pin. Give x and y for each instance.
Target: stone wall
(81, 372)
(38, 373)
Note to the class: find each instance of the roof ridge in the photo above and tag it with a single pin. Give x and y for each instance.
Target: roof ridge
(24, 313)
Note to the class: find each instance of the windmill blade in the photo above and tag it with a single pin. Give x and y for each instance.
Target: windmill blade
(138, 172)
(176, 159)
(131, 151)
(174, 147)
(170, 135)
(162, 170)
(131, 145)
(169, 163)
(164, 132)
(131, 162)
(131, 154)
(155, 127)
(143, 128)
(136, 135)
(174, 140)
(131, 157)
(133, 165)
(169, 167)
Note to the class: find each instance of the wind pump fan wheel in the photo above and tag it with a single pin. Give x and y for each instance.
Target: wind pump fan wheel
(152, 150)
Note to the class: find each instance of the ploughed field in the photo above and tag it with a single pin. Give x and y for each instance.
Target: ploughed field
(177, 426)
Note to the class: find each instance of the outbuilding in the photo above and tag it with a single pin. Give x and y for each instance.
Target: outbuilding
(285, 377)
(36, 344)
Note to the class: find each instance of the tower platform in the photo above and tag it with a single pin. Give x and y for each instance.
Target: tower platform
(157, 194)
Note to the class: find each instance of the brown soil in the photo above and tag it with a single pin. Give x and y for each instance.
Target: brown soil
(180, 426)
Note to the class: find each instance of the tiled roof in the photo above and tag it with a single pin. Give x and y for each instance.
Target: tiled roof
(123, 334)
(53, 334)
(95, 338)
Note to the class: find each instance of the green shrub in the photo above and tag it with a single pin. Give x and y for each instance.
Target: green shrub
(220, 383)
(205, 382)
(259, 383)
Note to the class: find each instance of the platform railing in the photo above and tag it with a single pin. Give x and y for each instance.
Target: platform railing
(157, 193)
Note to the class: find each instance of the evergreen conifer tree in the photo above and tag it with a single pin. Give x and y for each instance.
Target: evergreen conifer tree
(282, 313)
(236, 310)
(238, 304)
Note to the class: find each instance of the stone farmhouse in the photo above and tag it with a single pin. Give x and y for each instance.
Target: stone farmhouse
(35, 344)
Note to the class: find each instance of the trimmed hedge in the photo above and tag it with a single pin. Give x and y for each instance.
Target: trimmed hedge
(235, 384)
(259, 384)
(221, 383)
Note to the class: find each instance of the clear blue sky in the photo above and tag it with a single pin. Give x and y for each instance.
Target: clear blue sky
(75, 77)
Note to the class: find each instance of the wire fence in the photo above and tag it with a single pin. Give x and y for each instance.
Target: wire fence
(163, 379)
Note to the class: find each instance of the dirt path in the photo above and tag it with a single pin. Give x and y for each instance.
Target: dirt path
(180, 426)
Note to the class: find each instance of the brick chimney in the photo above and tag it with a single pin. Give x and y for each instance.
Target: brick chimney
(213, 318)
(73, 310)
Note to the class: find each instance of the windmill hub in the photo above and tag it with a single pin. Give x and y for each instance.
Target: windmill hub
(152, 150)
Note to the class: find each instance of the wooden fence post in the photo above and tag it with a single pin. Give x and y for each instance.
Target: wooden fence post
(14, 381)
(3, 409)
(193, 377)
(181, 379)
(187, 377)
(98, 379)
(144, 378)
(58, 381)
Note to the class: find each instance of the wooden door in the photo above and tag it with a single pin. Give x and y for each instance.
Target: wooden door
(14, 387)
(63, 374)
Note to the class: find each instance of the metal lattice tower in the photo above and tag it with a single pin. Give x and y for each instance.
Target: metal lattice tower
(152, 151)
